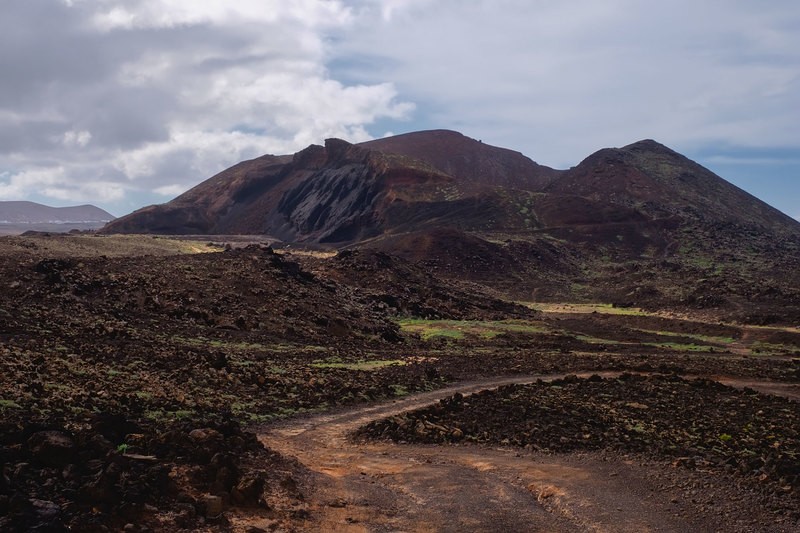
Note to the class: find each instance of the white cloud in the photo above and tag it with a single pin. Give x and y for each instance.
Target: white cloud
(57, 183)
(126, 96)
(170, 190)
(12, 191)
(77, 138)
(172, 13)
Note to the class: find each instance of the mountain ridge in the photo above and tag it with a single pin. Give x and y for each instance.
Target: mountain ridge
(343, 192)
(636, 225)
(26, 212)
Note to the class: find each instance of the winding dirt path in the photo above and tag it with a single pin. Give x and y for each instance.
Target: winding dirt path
(421, 488)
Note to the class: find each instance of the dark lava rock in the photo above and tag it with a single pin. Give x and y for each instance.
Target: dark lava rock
(51, 448)
(249, 489)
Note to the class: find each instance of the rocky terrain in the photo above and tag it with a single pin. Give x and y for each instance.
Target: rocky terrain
(198, 365)
(639, 225)
(135, 369)
(700, 424)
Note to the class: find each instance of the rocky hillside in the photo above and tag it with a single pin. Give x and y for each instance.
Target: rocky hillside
(639, 225)
(662, 183)
(342, 193)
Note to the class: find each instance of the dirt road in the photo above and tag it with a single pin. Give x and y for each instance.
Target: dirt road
(386, 487)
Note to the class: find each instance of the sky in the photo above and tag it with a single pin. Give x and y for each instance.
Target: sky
(126, 103)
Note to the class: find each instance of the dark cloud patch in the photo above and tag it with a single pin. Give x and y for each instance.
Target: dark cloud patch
(127, 117)
(45, 47)
(30, 135)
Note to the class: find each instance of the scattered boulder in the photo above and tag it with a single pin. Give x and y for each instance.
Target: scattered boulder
(51, 448)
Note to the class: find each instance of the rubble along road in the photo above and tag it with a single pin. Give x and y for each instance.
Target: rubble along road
(381, 486)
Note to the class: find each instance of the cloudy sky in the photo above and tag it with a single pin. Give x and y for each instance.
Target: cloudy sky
(128, 103)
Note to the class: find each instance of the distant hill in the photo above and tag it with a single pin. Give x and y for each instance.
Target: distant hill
(637, 224)
(17, 217)
(33, 213)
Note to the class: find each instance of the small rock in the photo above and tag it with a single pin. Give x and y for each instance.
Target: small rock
(338, 503)
(51, 448)
(46, 510)
(213, 505)
(185, 514)
(204, 434)
(248, 490)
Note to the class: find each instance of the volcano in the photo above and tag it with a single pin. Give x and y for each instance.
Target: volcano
(641, 223)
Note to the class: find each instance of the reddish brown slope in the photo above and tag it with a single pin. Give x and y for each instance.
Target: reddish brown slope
(333, 193)
(477, 165)
(650, 177)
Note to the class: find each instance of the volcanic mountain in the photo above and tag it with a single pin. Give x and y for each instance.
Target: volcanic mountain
(344, 193)
(473, 211)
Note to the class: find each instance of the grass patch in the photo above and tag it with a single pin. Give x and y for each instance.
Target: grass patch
(584, 308)
(9, 404)
(217, 343)
(709, 339)
(399, 390)
(588, 339)
(159, 415)
(681, 347)
(233, 346)
(760, 347)
(460, 329)
(335, 362)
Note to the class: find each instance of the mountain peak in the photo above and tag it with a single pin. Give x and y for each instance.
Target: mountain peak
(477, 165)
(649, 146)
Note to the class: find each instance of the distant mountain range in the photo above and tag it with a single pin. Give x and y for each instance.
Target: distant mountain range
(641, 223)
(16, 217)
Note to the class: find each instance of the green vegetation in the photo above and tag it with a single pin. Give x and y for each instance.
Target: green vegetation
(710, 339)
(596, 340)
(760, 347)
(679, 347)
(460, 329)
(159, 415)
(234, 346)
(400, 390)
(218, 343)
(9, 404)
(581, 308)
(336, 362)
